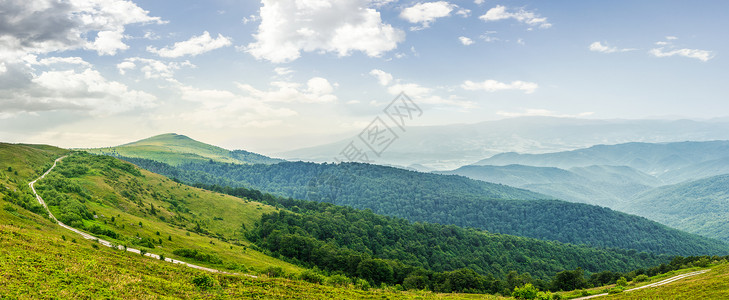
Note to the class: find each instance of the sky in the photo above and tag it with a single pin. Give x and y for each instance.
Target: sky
(276, 75)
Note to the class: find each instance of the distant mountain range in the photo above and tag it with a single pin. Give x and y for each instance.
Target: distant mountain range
(451, 146)
(678, 184)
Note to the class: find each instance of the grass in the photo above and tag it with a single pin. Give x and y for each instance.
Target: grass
(175, 150)
(21, 163)
(222, 216)
(710, 285)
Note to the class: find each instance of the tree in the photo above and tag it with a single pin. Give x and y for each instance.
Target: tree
(569, 280)
(528, 291)
(622, 282)
(377, 270)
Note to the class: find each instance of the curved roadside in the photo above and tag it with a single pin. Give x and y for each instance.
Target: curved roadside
(655, 284)
(105, 242)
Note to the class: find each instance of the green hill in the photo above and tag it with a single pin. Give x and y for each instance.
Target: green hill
(178, 149)
(700, 206)
(456, 200)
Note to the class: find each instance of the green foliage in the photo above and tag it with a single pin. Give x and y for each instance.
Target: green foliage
(442, 199)
(641, 278)
(375, 270)
(312, 276)
(204, 281)
(569, 280)
(274, 271)
(615, 290)
(198, 255)
(528, 291)
(622, 282)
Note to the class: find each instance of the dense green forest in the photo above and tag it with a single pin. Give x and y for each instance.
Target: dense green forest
(456, 200)
(700, 206)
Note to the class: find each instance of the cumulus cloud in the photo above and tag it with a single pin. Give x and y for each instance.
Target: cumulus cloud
(383, 77)
(494, 86)
(500, 12)
(73, 90)
(44, 26)
(426, 13)
(151, 68)
(196, 45)
(316, 90)
(599, 47)
(340, 26)
(465, 41)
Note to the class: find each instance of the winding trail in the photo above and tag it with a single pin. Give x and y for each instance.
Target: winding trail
(107, 243)
(655, 284)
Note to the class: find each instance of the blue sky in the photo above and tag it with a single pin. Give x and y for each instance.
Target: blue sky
(274, 75)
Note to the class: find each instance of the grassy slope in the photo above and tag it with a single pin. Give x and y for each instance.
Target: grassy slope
(27, 160)
(710, 285)
(221, 215)
(39, 259)
(177, 149)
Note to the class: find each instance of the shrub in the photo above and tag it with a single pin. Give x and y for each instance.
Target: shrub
(362, 284)
(311, 276)
(622, 282)
(641, 278)
(528, 291)
(274, 272)
(615, 290)
(338, 280)
(204, 281)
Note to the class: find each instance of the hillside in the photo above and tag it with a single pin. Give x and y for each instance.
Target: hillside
(607, 186)
(456, 200)
(128, 206)
(700, 207)
(178, 149)
(713, 284)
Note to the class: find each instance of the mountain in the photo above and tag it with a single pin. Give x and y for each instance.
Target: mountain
(177, 149)
(131, 207)
(450, 146)
(447, 199)
(700, 206)
(655, 159)
(599, 185)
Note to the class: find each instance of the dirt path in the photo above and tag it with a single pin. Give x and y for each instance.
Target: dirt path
(655, 284)
(107, 243)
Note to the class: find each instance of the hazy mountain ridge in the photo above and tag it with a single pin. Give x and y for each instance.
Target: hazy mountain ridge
(450, 146)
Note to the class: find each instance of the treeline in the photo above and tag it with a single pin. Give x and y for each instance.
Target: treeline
(456, 200)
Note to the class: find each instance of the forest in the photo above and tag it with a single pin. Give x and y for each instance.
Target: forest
(450, 200)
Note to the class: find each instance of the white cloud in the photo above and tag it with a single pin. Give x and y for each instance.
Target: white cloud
(702, 55)
(3, 68)
(63, 60)
(383, 77)
(281, 71)
(667, 49)
(486, 36)
(85, 91)
(339, 26)
(151, 68)
(542, 112)
(479, 2)
(465, 41)
(196, 45)
(225, 109)
(464, 12)
(251, 18)
(530, 18)
(426, 13)
(316, 90)
(44, 26)
(494, 86)
(599, 47)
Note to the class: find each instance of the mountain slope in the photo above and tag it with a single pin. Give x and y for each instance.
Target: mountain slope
(177, 149)
(599, 185)
(700, 207)
(448, 200)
